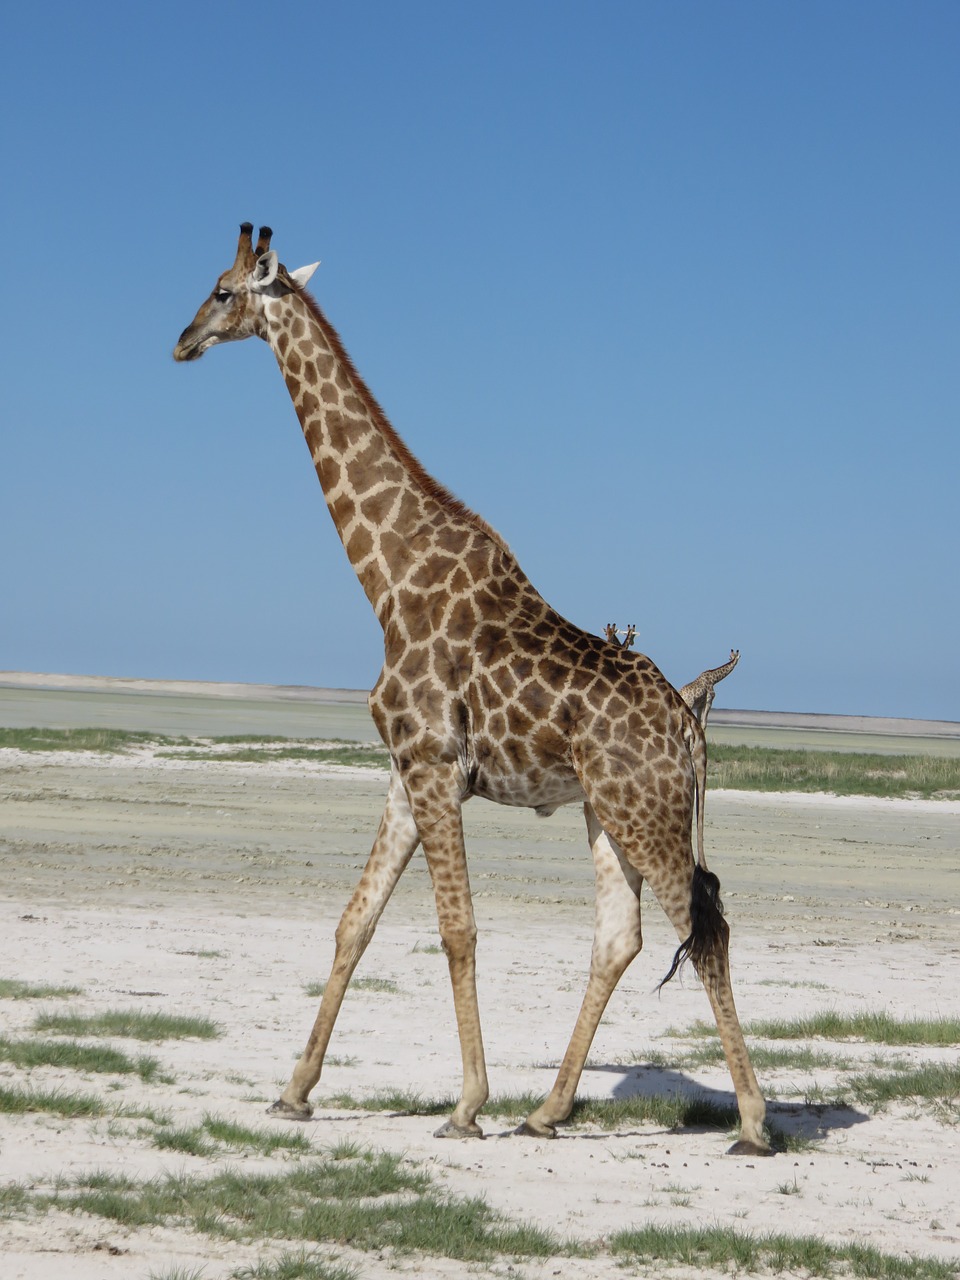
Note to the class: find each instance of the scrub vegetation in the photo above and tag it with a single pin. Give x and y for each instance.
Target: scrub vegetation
(127, 1024)
(841, 773)
(737, 768)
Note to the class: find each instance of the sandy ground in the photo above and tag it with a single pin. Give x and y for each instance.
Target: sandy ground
(215, 889)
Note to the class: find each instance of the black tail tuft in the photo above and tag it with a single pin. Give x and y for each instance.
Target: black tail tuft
(708, 929)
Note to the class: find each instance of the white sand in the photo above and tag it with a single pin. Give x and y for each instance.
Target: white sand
(115, 875)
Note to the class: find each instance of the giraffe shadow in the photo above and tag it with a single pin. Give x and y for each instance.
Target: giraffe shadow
(808, 1121)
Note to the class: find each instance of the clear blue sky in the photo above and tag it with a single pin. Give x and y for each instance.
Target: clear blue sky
(668, 292)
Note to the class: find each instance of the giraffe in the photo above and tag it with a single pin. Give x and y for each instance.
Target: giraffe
(699, 693)
(613, 635)
(484, 691)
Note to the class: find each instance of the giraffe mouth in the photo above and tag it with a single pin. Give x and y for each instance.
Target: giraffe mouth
(188, 348)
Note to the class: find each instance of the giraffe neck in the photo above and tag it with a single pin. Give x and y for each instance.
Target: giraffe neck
(388, 511)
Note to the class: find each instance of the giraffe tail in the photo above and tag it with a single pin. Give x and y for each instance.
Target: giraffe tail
(708, 929)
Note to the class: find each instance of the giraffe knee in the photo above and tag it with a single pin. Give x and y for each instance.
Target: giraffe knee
(615, 955)
(458, 940)
(353, 934)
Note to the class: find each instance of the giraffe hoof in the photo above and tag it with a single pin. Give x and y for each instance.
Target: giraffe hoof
(287, 1111)
(451, 1130)
(540, 1130)
(743, 1147)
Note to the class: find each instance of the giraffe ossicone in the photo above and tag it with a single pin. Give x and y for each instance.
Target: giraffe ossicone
(485, 691)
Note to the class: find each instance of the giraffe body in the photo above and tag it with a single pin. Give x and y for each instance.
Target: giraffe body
(485, 691)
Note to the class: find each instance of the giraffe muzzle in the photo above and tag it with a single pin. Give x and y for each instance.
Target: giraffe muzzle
(188, 347)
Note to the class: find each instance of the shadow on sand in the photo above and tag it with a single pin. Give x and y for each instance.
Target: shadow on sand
(808, 1121)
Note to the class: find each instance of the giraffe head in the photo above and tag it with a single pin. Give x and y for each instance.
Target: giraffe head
(235, 308)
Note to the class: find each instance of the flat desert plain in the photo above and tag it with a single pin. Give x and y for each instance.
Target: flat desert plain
(213, 888)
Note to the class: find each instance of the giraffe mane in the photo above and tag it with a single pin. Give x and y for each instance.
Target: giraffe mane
(432, 487)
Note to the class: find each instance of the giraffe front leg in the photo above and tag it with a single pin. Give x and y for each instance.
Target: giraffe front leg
(436, 797)
(459, 944)
(397, 838)
(617, 940)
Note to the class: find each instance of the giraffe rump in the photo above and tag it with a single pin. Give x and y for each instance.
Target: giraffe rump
(708, 929)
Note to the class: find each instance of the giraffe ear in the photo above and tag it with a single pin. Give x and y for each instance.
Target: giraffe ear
(264, 272)
(301, 276)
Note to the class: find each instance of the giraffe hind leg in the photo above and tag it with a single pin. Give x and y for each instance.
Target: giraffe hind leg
(660, 849)
(617, 940)
(698, 920)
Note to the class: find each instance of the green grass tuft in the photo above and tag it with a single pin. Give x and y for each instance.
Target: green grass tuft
(214, 1134)
(602, 1113)
(131, 1024)
(872, 1026)
(71, 1106)
(667, 1110)
(398, 1100)
(386, 985)
(297, 1266)
(710, 1053)
(189, 1142)
(14, 1199)
(265, 751)
(266, 1141)
(108, 740)
(724, 1248)
(177, 1273)
(935, 1082)
(76, 1057)
(12, 989)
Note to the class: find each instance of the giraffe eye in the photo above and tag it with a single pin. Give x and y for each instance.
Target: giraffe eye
(223, 295)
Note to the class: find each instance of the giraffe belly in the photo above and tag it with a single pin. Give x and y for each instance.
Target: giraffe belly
(543, 792)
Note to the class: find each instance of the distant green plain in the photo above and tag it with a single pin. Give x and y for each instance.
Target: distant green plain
(731, 766)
